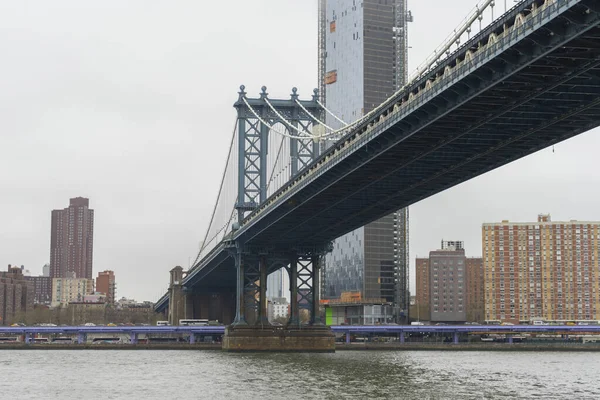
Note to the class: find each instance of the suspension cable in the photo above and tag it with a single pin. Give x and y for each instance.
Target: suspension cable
(331, 113)
(314, 118)
(219, 195)
(266, 124)
(275, 164)
(286, 122)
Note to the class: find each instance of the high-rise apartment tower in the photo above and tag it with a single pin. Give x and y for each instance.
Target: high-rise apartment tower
(541, 270)
(363, 61)
(72, 240)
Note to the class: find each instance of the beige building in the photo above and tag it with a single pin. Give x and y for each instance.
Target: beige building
(541, 270)
(67, 290)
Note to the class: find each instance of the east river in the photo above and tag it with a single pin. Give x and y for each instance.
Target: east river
(154, 374)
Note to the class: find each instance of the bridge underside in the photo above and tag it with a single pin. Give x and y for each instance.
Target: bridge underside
(541, 91)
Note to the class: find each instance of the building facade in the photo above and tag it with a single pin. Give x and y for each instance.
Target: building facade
(449, 285)
(16, 295)
(475, 290)
(67, 290)
(362, 61)
(46, 270)
(42, 288)
(421, 307)
(277, 308)
(105, 283)
(72, 240)
(278, 284)
(541, 270)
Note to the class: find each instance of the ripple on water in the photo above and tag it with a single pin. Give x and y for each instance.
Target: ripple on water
(152, 375)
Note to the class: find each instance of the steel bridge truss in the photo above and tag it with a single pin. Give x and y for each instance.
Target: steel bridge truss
(256, 117)
(304, 270)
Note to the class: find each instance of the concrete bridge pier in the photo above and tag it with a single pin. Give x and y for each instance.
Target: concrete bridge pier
(251, 330)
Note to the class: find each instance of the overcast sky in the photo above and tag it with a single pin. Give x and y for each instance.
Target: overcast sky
(129, 103)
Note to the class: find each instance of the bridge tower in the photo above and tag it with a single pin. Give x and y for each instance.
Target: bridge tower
(258, 119)
(177, 297)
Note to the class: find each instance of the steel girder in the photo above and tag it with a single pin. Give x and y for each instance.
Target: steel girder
(253, 137)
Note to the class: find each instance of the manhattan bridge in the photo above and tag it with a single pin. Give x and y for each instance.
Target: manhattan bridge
(492, 93)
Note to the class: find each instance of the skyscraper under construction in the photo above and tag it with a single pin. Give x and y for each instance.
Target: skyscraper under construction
(363, 61)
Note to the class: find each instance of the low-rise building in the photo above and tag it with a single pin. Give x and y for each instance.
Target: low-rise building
(352, 309)
(125, 302)
(69, 290)
(95, 297)
(105, 283)
(277, 308)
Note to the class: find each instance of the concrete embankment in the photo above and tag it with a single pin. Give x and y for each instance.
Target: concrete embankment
(109, 346)
(469, 347)
(573, 347)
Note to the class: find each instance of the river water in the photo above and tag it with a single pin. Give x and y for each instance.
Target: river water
(154, 374)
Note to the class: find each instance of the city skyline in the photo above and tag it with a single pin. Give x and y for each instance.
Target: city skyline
(130, 112)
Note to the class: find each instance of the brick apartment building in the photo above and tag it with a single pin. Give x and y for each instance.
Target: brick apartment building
(71, 240)
(16, 295)
(449, 285)
(541, 270)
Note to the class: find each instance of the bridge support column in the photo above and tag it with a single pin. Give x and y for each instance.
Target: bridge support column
(509, 339)
(81, 338)
(255, 333)
(133, 338)
(401, 337)
(294, 310)
(240, 306)
(455, 338)
(28, 338)
(347, 337)
(263, 318)
(192, 338)
(315, 317)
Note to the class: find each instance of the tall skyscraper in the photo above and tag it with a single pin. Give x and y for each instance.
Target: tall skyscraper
(278, 284)
(105, 283)
(449, 285)
(541, 270)
(363, 61)
(71, 240)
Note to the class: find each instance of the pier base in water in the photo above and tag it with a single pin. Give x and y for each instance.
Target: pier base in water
(274, 339)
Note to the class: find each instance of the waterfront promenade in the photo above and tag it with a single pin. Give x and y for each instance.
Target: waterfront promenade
(354, 337)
